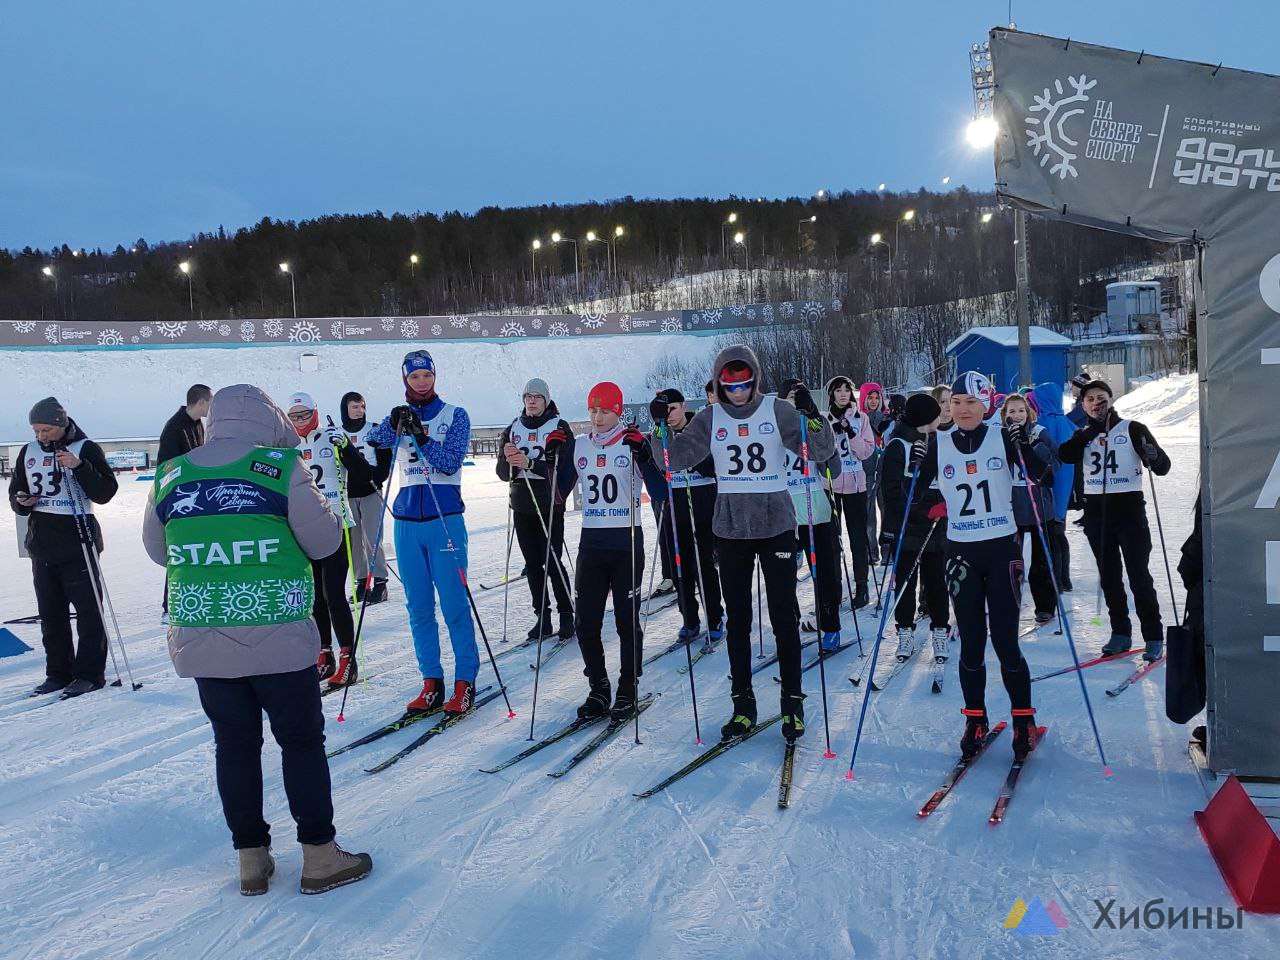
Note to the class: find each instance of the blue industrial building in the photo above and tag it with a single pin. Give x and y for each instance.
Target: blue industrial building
(994, 351)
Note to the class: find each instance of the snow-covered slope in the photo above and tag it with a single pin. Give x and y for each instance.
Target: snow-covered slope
(113, 843)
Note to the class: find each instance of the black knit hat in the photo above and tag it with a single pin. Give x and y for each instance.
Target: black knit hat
(49, 411)
(920, 410)
(670, 395)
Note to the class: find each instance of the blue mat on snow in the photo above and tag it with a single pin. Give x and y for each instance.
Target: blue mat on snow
(10, 645)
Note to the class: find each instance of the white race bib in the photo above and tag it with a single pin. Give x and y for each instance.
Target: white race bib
(358, 441)
(50, 482)
(413, 471)
(321, 458)
(606, 476)
(1110, 464)
(531, 442)
(978, 488)
(748, 454)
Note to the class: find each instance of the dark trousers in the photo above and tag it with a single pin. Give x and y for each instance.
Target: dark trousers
(853, 506)
(1060, 550)
(599, 574)
(332, 606)
(664, 551)
(533, 547)
(737, 575)
(1039, 579)
(60, 586)
(828, 580)
(931, 575)
(292, 704)
(985, 581)
(1125, 538)
(702, 550)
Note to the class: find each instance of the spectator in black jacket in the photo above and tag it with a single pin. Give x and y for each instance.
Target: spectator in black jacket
(55, 483)
(365, 497)
(184, 431)
(1113, 452)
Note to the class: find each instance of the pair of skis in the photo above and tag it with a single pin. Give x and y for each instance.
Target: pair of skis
(408, 719)
(962, 766)
(590, 747)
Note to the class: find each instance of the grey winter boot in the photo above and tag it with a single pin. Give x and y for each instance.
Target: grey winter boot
(327, 865)
(256, 867)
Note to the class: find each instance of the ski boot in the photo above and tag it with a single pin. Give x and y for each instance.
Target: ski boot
(906, 643)
(1025, 734)
(347, 672)
(860, 596)
(327, 865)
(624, 702)
(744, 716)
(431, 697)
(464, 695)
(78, 687)
(256, 867)
(360, 591)
(1119, 643)
(542, 628)
(1044, 617)
(325, 663)
(830, 641)
(716, 634)
(663, 588)
(1154, 651)
(50, 685)
(976, 727)
(688, 634)
(940, 637)
(597, 702)
(567, 629)
(379, 592)
(792, 717)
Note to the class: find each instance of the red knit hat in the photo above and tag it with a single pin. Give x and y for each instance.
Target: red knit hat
(605, 396)
(735, 372)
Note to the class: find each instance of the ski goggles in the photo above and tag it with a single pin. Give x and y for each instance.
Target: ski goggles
(736, 387)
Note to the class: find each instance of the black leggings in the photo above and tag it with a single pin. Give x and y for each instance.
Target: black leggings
(985, 581)
(737, 577)
(933, 587)
(853, 506)
(1039, 579)
(828, 582)
(331, 609)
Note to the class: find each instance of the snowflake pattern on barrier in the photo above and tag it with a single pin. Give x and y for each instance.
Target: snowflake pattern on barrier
(272, 328)
(475, 326)
(171, 331)
(512, 329)
(435, 330)
(336, 330)
(767, 314)
(536, 323)
(1047, 136)
(788, 310)
(812, 311)
(557, 329)
(711, 317)
(624, 323)
(190, 603)
(133, 339)
(671, 325)
(110, 337)
(51, 333)
(144, 332)
(388, 324)
(592, 320)
(737, 310)
(244, 601)
(224, 329)
(837, 305)
(456, 321)
(247, 332)
(304, 331)
(24, 326)
(409, 329)
(208, 326)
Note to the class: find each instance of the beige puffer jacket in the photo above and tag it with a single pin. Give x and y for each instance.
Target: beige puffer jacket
(243, 417)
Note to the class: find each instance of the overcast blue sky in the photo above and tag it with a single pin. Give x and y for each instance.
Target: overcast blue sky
(128, 118)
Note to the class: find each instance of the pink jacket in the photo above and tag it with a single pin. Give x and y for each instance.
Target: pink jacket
(860, 446)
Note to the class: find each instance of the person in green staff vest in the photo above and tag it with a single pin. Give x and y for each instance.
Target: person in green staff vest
(237, 523)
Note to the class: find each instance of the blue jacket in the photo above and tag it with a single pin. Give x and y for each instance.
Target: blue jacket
(1059, 427)
(445, 454)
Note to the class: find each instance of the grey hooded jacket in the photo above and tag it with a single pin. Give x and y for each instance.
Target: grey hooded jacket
(748, 516)
(241, 418)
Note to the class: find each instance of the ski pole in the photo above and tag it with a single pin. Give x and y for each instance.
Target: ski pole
(633, 593)
(368, 581)
(547, 527)
(1071, 643)
(813, 576)
(844, 563)
(889, 588)
(462, 574)
(675, 542)
(759, 611)
(506, 569)
(1102, 534)
(542, 613)
(1177, 618)
(88, 548)
(346, 530)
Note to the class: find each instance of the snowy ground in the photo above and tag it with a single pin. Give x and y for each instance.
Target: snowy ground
(113, 844)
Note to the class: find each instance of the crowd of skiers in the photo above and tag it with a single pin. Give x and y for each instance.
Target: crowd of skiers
(270, 524)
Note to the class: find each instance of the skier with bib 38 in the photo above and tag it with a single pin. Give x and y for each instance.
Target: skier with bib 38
(748, 433)
(973, 464)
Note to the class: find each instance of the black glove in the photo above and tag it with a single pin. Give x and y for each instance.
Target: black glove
(639, 445)
(897, 406)
(919, 448)
(1093, 427)
(658, 409)
(405, 420)
(803, 400)
(1017, 433)
(1148, 453)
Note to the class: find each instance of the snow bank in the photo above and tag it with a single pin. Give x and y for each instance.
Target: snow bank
(1170, 402)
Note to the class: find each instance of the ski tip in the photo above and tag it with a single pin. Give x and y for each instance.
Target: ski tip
(828, 755)
(1107, 773)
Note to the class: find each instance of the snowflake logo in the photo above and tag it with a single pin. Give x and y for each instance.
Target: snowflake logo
(388, 324)
(767, 314)
(144, 332)
(577, 330)
(435, 330)
(304, 331)
(247, 332)
(671, 325)
(336, 329)
(624, 323)
(409, 329)
(457, 321)
(244, 601)
(592, 320)
(788, 309)
(536, 323)
(512, 329)
(207, 325)
(51, 333)
(192, 603)
(711, 317)
(475, 326)
(171, 331)
(737, 310)
(224, 329)
(812, 311)
(133, 339)
(1046, 135)
(110, 337)
(24, 326)
(272, 328)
